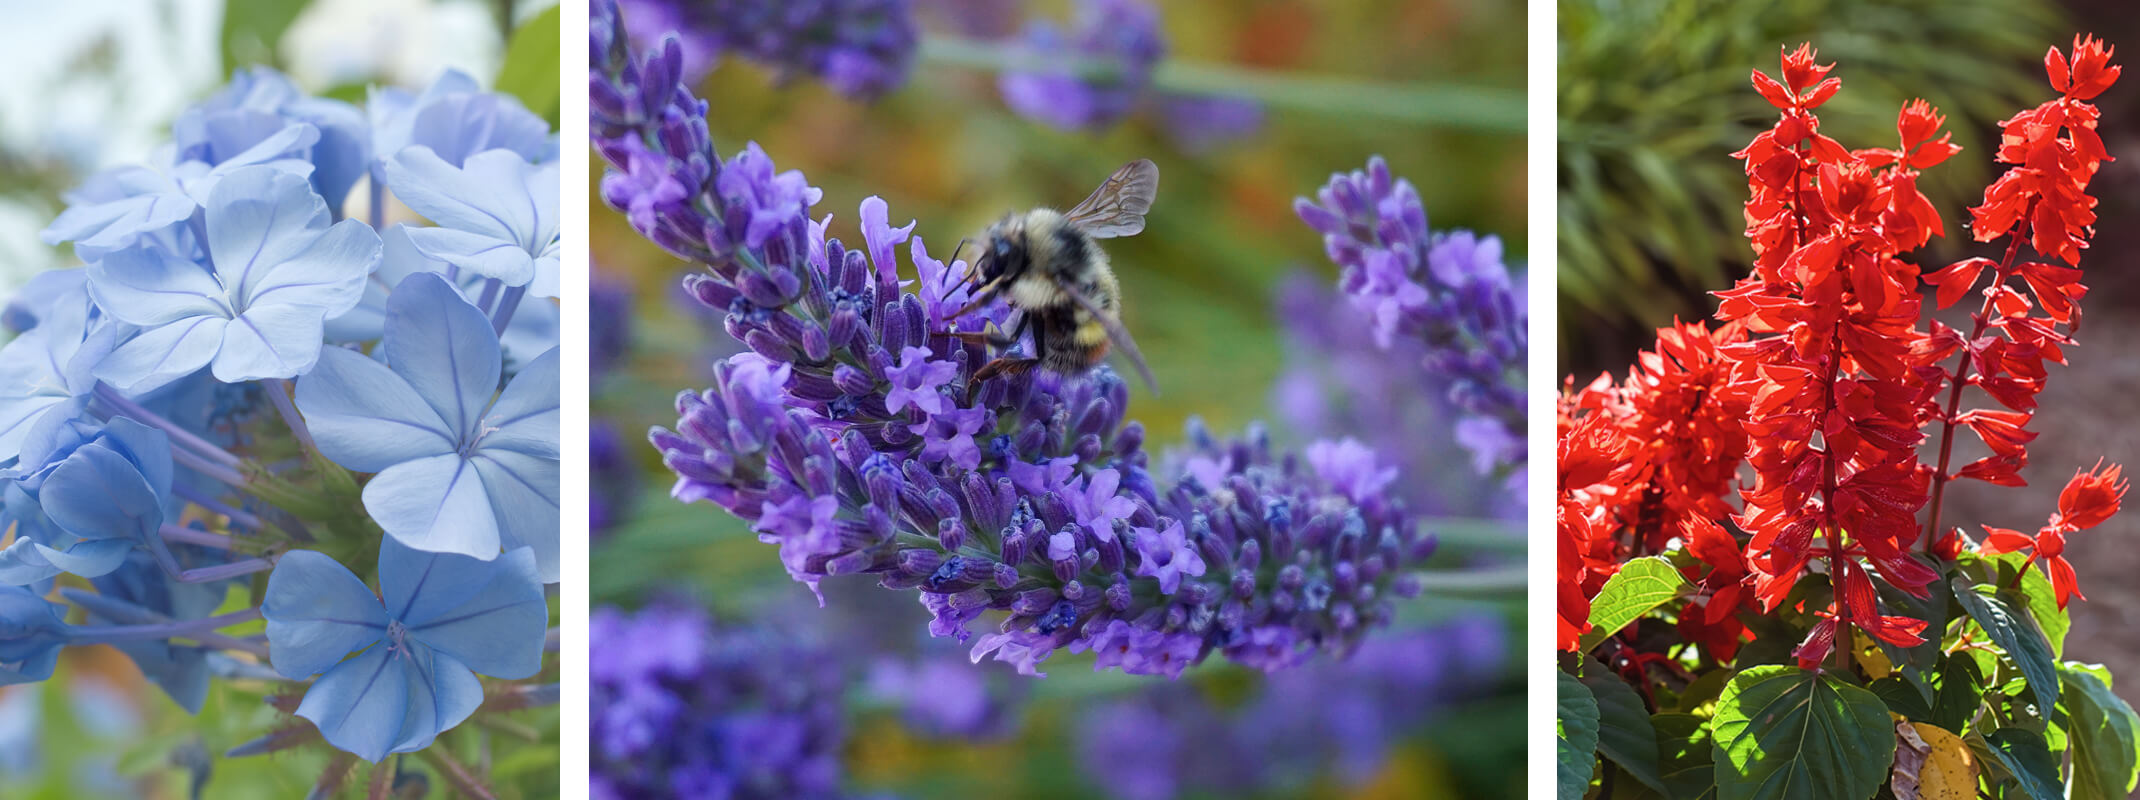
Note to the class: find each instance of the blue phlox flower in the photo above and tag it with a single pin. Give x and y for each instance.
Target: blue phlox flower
(45, 372)
(461, 466)
(114, 207)
(82, 496)
(277, 269)
(399, 668)
(32, 631)
(496, 214)
(456, 119)
(258, 101)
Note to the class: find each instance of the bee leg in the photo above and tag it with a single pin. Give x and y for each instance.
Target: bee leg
(1001, 366)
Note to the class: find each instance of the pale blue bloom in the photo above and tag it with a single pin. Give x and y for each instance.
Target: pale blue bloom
(115, 207)
(533, 329)
(181, 670)
(462, 467)
(496, 214)
(82, 496)
(277, 269)
(438, 621)
(456, 119)
(31, 635)
(45, 371)
(259, 101)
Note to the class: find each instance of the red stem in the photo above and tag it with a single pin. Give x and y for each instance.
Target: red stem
(1961, 379)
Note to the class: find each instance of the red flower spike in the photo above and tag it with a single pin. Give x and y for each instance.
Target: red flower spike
(2092, 71)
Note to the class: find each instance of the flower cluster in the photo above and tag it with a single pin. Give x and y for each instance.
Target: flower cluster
(692, 709)
(1824, 375)
(852, 436)
(862, 48)
(205, 399)
(1450, 291)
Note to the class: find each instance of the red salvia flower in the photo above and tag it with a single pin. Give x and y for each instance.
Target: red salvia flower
(2091, 498)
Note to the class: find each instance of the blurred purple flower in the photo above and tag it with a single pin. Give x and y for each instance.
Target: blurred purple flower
(829, 446)
(863, 48)
(1121, 37)
(684, 708)
(1200, 123)
(613, 478)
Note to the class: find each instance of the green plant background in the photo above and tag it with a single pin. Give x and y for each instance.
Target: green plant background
(97, 729)
(1198, 285)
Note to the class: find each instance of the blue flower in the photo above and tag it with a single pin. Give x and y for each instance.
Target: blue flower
(456, 119)
(45, 371)
(532, 330)
(82, 496)
(259, 101)
(497, 214)
(439, 620)
(31, 635)
(461, 466)
(114, 208)
(277, 269)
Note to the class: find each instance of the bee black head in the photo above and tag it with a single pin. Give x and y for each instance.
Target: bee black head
(1003, 255)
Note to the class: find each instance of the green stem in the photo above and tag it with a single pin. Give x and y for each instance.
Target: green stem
(1473, 107)
(1476, 581)
(1471, 533)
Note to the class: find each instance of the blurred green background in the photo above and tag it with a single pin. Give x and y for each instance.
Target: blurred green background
(1198, 287)
(94, 85)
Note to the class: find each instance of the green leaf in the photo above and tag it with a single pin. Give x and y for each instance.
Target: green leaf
(531, 64)
(2015, 633)
(252, 28)
(1961, 691)
(1624, 732)
(1902, 698)
(2037, 595)
(1934, 610)
(2028, 762)
(1640, 586)
(1576, 737)
(1683, 755)
(2101, 728)
(1785, 732)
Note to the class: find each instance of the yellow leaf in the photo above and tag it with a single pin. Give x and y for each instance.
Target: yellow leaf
(1931, 763)
(1870, 656)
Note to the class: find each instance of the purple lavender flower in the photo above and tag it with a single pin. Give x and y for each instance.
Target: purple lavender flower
(1449, 291)
(828, 444)
(682, 707)
(863, 48)
(1123, 35)
(1200, 123)
(613, 480)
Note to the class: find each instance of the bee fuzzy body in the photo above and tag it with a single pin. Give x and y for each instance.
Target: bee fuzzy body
(1048, 265)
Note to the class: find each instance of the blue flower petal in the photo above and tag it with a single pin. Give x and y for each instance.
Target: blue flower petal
(98, 493)
(435, 504)
(317, 613)
(444, 347)
(496, 215)
(367, 418)
(361, 704)
(115, 206)
(524, 419)
(270, 342)
(498, 630)
(148, 286)
(266, 228)
(523, 493)
(158, 356)
(480, 253)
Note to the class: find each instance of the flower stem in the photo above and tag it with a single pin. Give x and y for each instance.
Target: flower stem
(278, 392)
(456, 774)
(1476, 581)
(489, 295)
(130, 614)
(1473, 107)
(237, 516)
(378, 205)
(507, 304)
(183, 534)
(1961, 378)
(178, 433)
(1470, 533)
(189, 459)
(102, 634)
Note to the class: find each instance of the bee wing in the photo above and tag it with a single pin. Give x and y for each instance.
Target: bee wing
(1118, 207)
(1115, 332)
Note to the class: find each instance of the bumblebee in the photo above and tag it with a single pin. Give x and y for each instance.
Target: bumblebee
(1048, 265)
